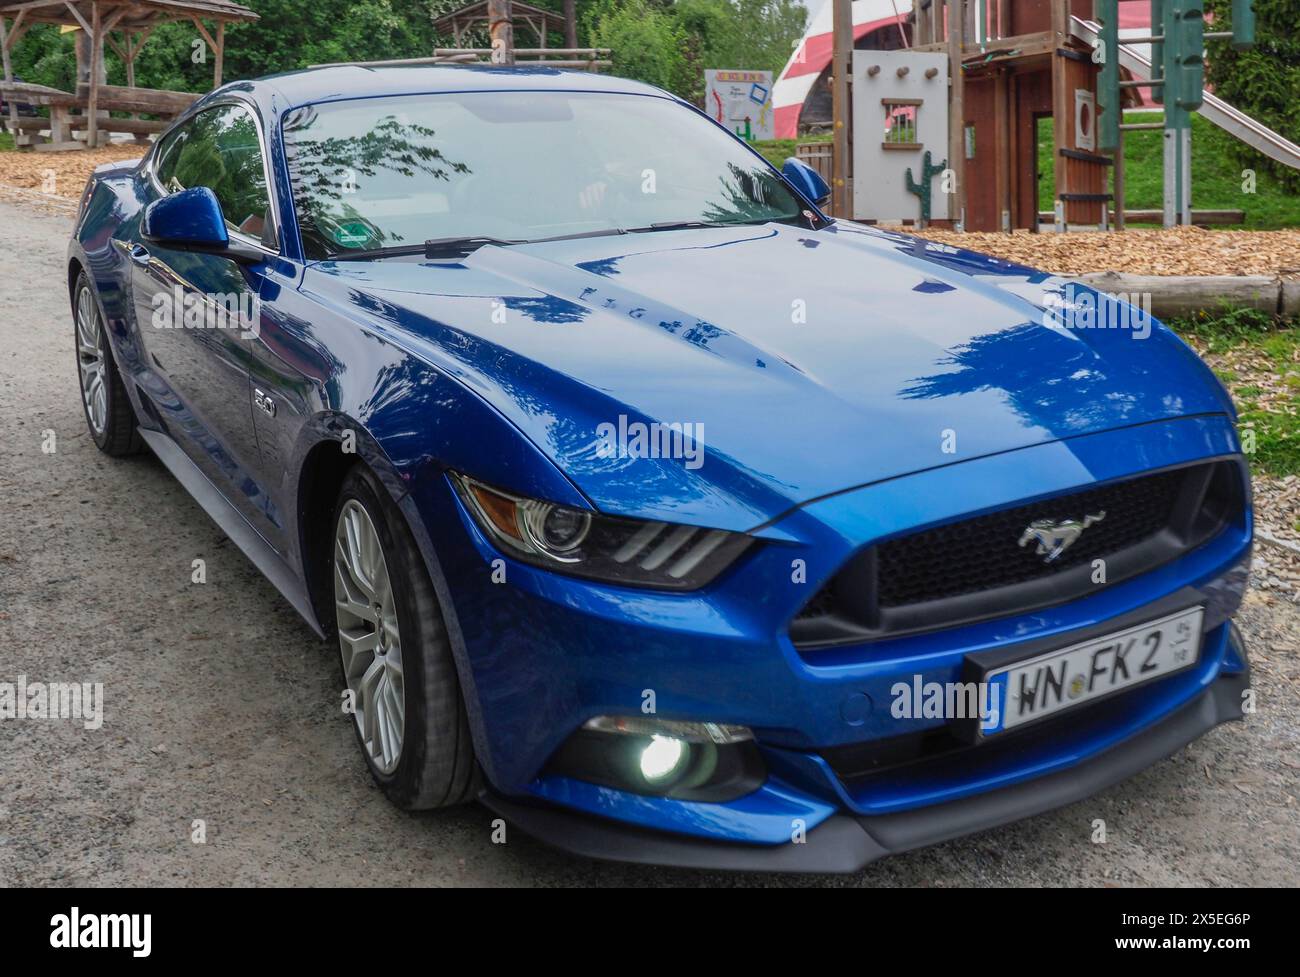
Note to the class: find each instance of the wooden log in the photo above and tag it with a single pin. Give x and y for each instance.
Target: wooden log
(19, 94)
(1181, 295)
(133, 126)
(1202, 218)
(122, 99)
(1290, 301)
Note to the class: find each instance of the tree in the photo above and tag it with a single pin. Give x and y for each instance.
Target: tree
(648, 44)
(1263, 81)
(757, 35)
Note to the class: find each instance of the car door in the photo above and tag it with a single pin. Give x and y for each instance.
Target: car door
(199, 314)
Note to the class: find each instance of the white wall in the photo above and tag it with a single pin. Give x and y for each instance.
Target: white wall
(879, 183)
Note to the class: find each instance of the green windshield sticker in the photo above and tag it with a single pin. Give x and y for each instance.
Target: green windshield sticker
(352, 235)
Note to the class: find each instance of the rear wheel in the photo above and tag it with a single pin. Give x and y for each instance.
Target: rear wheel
(396, 657)
(109, 414)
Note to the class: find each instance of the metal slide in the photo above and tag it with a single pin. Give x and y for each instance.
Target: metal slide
(1232, 121)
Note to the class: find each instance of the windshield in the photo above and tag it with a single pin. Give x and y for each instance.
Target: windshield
(371, 174)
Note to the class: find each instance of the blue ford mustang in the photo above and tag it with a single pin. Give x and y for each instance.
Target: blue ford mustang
(667, 517)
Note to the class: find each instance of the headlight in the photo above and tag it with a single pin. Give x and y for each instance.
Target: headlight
(628, 551)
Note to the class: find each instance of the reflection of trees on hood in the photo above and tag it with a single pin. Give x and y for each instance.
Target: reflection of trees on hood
(1046, 377)
(322, 169)
(749, 195)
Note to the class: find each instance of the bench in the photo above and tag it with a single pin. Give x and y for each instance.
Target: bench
(67, 125)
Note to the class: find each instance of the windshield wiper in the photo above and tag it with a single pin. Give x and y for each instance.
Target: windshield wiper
(439, 247)
(442, 247)
(390, 252)
(673, 226)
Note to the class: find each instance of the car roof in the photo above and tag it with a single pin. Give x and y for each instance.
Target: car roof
(337, 82)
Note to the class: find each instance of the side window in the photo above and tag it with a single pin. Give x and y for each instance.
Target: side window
(219, 149)
(165, 161)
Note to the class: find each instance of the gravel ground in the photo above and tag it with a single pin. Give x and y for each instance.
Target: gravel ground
(221, 706)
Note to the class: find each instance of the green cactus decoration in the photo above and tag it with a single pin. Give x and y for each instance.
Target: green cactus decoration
(922, 189)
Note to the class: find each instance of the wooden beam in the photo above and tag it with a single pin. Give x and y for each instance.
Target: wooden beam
(1013, 148)
(203, 32)
(1061, 107)
(35, 4)
(841, 107)
(1002, 150)
(9, 77)
(15, 32)
(501, 28)
(956, 110)
(113, 19)
(1120, 215)
(140, 37)
(85, 26)
(570, 23)
(221, 54)
(96, 59)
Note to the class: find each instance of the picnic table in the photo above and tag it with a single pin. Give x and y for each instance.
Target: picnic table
(68, 120)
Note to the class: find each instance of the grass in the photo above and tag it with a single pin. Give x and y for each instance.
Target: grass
(777, 151)
(1217, 180)
(1216, 175)
(6, 141)
(1257, 356)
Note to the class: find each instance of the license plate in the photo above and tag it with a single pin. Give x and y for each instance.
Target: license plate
(1058, 680)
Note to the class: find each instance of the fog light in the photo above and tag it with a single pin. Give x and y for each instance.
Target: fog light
(661, 758)
(695, 761)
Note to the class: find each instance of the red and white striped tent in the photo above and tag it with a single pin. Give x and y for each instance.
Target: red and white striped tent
(812, 57)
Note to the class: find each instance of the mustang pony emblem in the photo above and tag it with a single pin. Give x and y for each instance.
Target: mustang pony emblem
(1054, 538)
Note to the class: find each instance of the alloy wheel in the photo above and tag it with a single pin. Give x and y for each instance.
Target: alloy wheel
(90, 358)
(369, 637)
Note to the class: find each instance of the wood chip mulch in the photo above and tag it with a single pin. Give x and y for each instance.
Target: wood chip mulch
(1275, 569)
(1276, 565)
(1181, 251)
(60, 174)
(1178, 251)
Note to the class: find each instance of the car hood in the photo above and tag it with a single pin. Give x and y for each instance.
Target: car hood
(803, 362)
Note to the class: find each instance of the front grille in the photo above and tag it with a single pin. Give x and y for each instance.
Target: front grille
(985, 553)
(974, 569)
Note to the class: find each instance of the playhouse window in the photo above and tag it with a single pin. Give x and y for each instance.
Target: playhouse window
(900, 123)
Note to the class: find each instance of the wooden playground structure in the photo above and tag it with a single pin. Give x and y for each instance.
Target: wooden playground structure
(996, 68)
(77, 119)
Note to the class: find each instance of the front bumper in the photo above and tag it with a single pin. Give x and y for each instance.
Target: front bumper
(540, 654)
(846, 843)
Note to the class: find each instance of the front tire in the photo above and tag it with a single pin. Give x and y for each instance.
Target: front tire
(109, 415)
(409, 715)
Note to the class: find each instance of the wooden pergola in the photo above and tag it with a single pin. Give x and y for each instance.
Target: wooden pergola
(537, 19)
(132, 21)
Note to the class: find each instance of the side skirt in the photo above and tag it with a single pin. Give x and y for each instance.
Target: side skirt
(229, 520)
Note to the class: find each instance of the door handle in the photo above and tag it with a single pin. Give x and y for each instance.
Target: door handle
(139, 254)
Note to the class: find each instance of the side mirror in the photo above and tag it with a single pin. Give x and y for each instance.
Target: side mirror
(806, 180)
(191, 220)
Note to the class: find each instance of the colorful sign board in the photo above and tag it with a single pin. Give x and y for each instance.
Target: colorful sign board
(741, 101)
